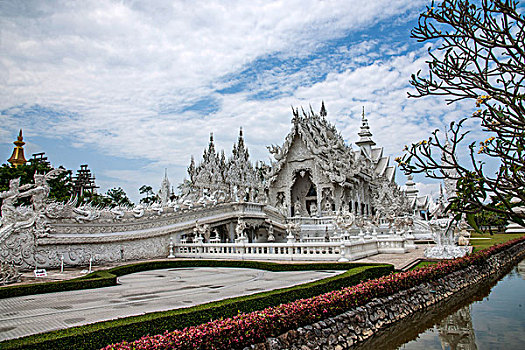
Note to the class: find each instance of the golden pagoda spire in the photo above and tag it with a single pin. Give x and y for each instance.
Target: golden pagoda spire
(17, 158)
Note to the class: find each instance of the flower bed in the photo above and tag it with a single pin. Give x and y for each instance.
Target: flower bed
(254, 327)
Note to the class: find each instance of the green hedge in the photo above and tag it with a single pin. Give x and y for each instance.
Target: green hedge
(97, 335)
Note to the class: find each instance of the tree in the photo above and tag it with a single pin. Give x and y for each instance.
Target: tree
(98, 200)
(119, 197)
(114, 197)
(480, 57)
(487, 220)
(150, 197)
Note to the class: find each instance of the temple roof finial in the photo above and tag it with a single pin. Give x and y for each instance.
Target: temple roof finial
(323, 112)
(18, 158)
(365, 136)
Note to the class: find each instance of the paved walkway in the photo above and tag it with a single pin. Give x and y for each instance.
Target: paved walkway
(398, 260)
(139, 293)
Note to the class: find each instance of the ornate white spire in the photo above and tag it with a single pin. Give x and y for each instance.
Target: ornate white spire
(365, 136)
(323, 112)
(164, 192)
(411, 189)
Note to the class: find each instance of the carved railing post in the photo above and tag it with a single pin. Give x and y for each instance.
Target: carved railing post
(171, 248)
(343, 253)
(199, 243)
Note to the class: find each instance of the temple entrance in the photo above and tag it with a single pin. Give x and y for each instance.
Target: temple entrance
(303, 195)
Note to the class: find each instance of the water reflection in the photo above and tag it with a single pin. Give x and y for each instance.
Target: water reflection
(456, 331)
(487, 316)
(521, 269)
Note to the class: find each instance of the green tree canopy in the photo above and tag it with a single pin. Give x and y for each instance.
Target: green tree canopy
(114, 197)
(149, 195)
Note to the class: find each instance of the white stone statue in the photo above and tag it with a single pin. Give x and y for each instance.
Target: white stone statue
(443, 234)
(313, 210)
(138, 211)
(202, 231)
(271, 237)
(39, 194)
(239, 230)
(157, 208)
(297, 207)
(328, 208)
(292, 231)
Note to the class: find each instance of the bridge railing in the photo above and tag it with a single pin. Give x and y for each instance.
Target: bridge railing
(307, 251)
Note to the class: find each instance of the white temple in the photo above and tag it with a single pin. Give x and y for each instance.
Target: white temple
(320, 199)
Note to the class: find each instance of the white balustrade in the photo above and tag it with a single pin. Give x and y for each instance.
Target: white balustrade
(314, 221)
(253, 207)
(323, 251)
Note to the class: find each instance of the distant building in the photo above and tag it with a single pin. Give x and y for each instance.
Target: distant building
(18, 158)
(38, 158)
(84, 182)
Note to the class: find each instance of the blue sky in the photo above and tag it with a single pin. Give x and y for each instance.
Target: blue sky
(133, 87)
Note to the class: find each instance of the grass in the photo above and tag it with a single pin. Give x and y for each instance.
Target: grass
(423, 264)
(494, 239)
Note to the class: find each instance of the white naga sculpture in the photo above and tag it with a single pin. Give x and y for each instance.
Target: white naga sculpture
(15, 218)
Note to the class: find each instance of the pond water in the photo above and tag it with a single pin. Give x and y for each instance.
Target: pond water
(490, 317)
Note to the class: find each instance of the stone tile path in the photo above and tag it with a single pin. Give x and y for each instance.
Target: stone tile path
(137, 294)
(398, 260)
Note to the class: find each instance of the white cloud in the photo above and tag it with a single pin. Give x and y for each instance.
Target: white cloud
(122, 72)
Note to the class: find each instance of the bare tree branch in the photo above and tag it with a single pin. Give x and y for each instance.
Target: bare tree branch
(479, 56)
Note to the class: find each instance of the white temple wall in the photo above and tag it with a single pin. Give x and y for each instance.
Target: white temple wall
(78, 254)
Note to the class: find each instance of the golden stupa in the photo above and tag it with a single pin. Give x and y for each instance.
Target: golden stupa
(17, 158)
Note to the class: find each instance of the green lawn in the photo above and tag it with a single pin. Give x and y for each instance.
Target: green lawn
(494, 239)
(423, 264)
